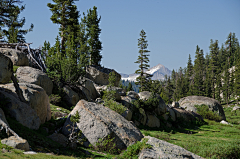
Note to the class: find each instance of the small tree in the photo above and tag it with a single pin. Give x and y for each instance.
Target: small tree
(143, 78)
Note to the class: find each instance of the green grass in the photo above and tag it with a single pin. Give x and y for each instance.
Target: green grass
(15, 68)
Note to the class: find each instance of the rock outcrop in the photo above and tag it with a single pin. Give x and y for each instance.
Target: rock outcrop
(17, 57)
(71, 96)
(189, 102)
(98, 122)
(34, 76)
(36, 97)
(6, 69)
(162, 149)
(162, 107)
(59, 138)
(22, 112)
(17, 143)
(100, 75)
(87, 86)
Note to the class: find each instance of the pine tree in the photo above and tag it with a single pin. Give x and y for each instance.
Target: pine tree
(189, 74)
(93, 32)
(65, 13)
(143, 78)
(198, 68)
(237, 75)
(214, 66)
(129, 88)
(169, 90)
(9, 18)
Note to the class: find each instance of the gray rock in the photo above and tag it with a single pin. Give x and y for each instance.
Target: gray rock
(133, 94)
(71, 96)
(22, 112)
(171, 114)
(17, 57)
(17, 143)
(100, 75)
(87, 86)
(225, 123)
(162, 107)
(127, 114)
(152, 121)
(99, 100)
(6, 69)
(34, 76)
(191, 101)
(59, 138)
(37, 98)
(164, 150)
(127, 102)
(97, 122)
(2, 117)
(175, 104)
(182, 113)
(118, 94)
(236, 108)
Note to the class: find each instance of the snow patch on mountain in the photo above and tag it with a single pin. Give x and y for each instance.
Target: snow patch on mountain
(158, 72)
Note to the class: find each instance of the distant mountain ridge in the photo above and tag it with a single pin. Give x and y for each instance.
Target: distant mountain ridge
(158, 72)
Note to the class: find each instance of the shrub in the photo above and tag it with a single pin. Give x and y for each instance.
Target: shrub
(54, 99)
(117, 107)
(204, 111)
(133, 150)
(106, 145)
(148, 105)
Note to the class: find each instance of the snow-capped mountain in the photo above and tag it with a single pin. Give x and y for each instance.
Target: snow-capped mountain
(157, 71)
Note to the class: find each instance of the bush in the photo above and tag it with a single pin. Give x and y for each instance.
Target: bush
(117, 107)
(204, 111)
(133, 150)
(148, 105)
(54, 99)
(106, 145)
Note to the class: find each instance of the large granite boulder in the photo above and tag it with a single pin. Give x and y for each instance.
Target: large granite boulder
(36, 97)
(71, 96)
(98, 122)
(100, 75)
(127, 102)
(162, 107)
(16, 142)
(189, 102)
(18, 58)
(22, 112)
(34, 76)
(6, 69)
(152, 121)
(133, 94)
(87, 86)
(162, 149)
(182, 113)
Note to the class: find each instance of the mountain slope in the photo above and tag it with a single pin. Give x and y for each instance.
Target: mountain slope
(157, 71)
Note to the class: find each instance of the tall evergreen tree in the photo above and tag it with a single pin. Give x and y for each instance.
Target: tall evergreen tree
(9, 18)
(169, 90)
(143, 78)
(93, 33)
(237, 76)
(198, 68)
(214, 66)
(65, 13)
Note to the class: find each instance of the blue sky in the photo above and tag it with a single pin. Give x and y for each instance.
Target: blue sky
(174, 28)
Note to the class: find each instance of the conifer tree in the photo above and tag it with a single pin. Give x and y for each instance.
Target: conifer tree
(237, 75)
(169, 90)
(129, 88)
(198, 68)
(9, 18)
(64, 13)
(214, 66)
(93, 34)
(143, 78)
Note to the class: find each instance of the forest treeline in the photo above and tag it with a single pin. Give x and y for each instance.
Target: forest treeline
(215, 75)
